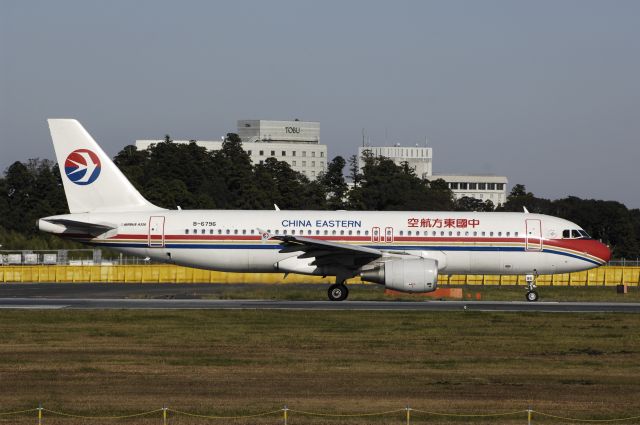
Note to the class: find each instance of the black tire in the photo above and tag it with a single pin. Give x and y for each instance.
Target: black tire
(532, 296)
(338, 292)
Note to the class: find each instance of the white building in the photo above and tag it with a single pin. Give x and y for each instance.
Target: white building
(482, 187)
(294, 142)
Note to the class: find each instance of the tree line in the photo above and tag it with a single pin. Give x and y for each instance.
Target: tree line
(189, 176)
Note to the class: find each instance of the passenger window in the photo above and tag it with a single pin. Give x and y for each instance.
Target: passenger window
(186, 231)
(195, 231)
(490, 233)
(515, 234)
(342, 232)
(441, 233)
(235, 232)
(466, 233)
(508, 234)
(409, 233)
(358, 232)
(333, 232)
(475, 233)
(458, 234)
(483, 233)
(351, 232)
(203, 231)
(293, 232)
(400, 232)
(366, 233)
(499, 233)
(228, 231)
(326, 232)
(317, 232)
(244, 231)
(211, 232)
(252, 231)
(417, 232)
(278, 232)
(450, 233)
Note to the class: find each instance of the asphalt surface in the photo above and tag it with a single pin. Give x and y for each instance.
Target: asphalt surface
(172, 296)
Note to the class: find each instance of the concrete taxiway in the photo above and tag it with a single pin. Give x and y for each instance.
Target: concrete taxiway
(172, 296)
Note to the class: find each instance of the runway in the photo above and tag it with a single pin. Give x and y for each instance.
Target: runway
(173, 304)
(176, 297)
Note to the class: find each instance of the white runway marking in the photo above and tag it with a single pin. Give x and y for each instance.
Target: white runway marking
(32, 307)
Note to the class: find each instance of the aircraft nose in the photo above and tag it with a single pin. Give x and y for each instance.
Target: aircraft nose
(600, 250)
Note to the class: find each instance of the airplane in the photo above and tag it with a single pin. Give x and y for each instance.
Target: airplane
(402, 250)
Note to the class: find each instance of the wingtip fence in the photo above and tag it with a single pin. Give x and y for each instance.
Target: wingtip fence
(286, 412)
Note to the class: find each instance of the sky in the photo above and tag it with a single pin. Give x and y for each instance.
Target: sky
(545, 92)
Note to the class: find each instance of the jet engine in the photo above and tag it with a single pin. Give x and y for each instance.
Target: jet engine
(414, 275)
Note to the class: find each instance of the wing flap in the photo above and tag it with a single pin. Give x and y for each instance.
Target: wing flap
(326, 253)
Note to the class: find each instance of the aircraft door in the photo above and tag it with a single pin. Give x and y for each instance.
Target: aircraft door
(156, 232)
(375, 234)
(533, 238)
(388, 234)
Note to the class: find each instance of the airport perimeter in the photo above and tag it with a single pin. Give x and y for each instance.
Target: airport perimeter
(286, 415)
(166, 273)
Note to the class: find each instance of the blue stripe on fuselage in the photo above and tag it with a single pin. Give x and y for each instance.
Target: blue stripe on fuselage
(380, 247)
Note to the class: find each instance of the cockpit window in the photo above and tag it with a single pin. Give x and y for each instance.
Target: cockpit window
(575, 234)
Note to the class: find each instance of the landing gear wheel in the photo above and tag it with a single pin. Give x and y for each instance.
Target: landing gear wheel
(338, 292)
(532, 294)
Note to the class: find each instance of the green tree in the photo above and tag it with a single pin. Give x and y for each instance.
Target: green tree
(334, 183)
(387, 186)
(519, 199)
(287, 188)
(240, 189)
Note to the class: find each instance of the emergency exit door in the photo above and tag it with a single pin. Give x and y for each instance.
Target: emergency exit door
(156, 232)
(533, 238)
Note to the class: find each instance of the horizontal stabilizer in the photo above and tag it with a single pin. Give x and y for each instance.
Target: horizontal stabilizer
(63, 225)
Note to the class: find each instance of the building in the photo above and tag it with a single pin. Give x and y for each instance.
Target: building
(294, 142)
(482, 187)
(418, 158)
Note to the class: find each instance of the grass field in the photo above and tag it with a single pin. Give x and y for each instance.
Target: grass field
(243, 362)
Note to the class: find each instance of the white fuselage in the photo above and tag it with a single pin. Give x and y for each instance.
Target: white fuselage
(460, 242)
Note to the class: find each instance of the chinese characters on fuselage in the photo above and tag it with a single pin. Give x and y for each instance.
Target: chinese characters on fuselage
(444, 223)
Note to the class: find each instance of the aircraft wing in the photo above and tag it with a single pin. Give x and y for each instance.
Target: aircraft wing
(328, 253)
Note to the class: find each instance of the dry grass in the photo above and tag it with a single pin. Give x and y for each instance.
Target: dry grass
(243, 362)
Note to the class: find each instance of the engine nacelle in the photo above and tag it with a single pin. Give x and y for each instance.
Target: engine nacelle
(415, 275)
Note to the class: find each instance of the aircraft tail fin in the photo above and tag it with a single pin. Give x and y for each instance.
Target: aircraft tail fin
(92, 182)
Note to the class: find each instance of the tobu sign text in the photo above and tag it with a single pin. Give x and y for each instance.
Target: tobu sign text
(292, 130)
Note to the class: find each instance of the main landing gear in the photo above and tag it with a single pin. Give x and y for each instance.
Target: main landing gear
(338, 292)
(532, 294)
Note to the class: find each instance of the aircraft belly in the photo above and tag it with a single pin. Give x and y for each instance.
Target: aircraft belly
(485, 262)
(230, 260)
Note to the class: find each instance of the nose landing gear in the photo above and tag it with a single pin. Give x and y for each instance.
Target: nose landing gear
(532, 294)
